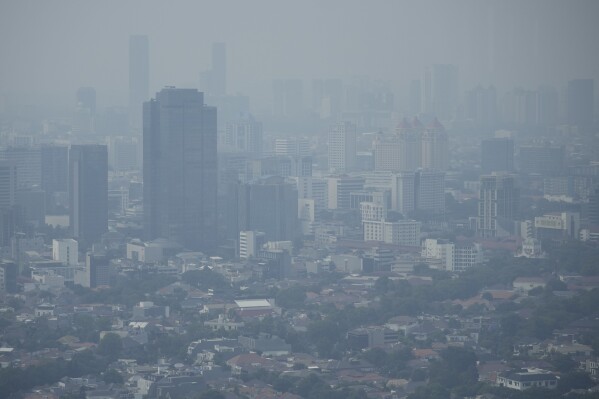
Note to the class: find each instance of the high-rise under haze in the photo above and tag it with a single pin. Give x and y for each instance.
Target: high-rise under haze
(581, 102)
(214, 80)
(342, 147)
(497, 205)
(139, 78)
(440, 91)
(88, 192)
(180, 169)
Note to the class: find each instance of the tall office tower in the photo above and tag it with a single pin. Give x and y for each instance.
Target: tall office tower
(340, 189)
(387, 154)
(8, 277)
(55, 176)
(86, 98)
(409, 136)
(581, 102)
(8, 184)
(545, 159)
(244, 135)
(124, 152)
(497, 205)
(139, 78)
(32, 205)
(8, 213)
(481, 106)
(429, 191)
(214, 80)
(180, 169)
(288, 97)
(497, 155)
(440, 91)
(433, 145)
(268, 205)
(402, 192)
(342, 147)
(27, 160)
(84, 118)
(327, 96)
(219, 69)
(88, 192)
(547, 106)
(97, 267)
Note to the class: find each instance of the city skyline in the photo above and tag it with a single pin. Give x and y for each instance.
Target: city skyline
(517, 45)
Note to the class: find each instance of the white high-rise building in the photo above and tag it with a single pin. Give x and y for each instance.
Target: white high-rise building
(66, 250)
(342, 147)
(403, 232)
(250, 242)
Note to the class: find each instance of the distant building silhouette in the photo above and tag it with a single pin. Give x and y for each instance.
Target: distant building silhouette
(342, 147)
(214, 81)
(581, 102)
(139, 78)
(88, 192)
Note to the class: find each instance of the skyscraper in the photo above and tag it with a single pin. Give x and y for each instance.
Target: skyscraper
(8, 184)
(219, 68)
(429, 191)
(139, 78)
(180, 169)
(97, 267)
(214, 80)
(497, 205)
(8, 213)
(244, 135)
(88, 192)
(268, 205)
(27, 160)
(581, 102)
(288, 97)
(440, 91)
(433, 145)
(342, 147)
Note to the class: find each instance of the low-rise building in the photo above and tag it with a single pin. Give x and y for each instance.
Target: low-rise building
(522, 379)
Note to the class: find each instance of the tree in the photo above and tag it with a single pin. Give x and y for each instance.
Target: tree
(457, 367)
(574, 380)
(211, 394)
(112, 376)
(563, 363)
(291, 298)
(111, 346)
(324, 334)
(432, 391)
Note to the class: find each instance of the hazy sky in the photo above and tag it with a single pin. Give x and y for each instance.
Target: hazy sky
(50, 48)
